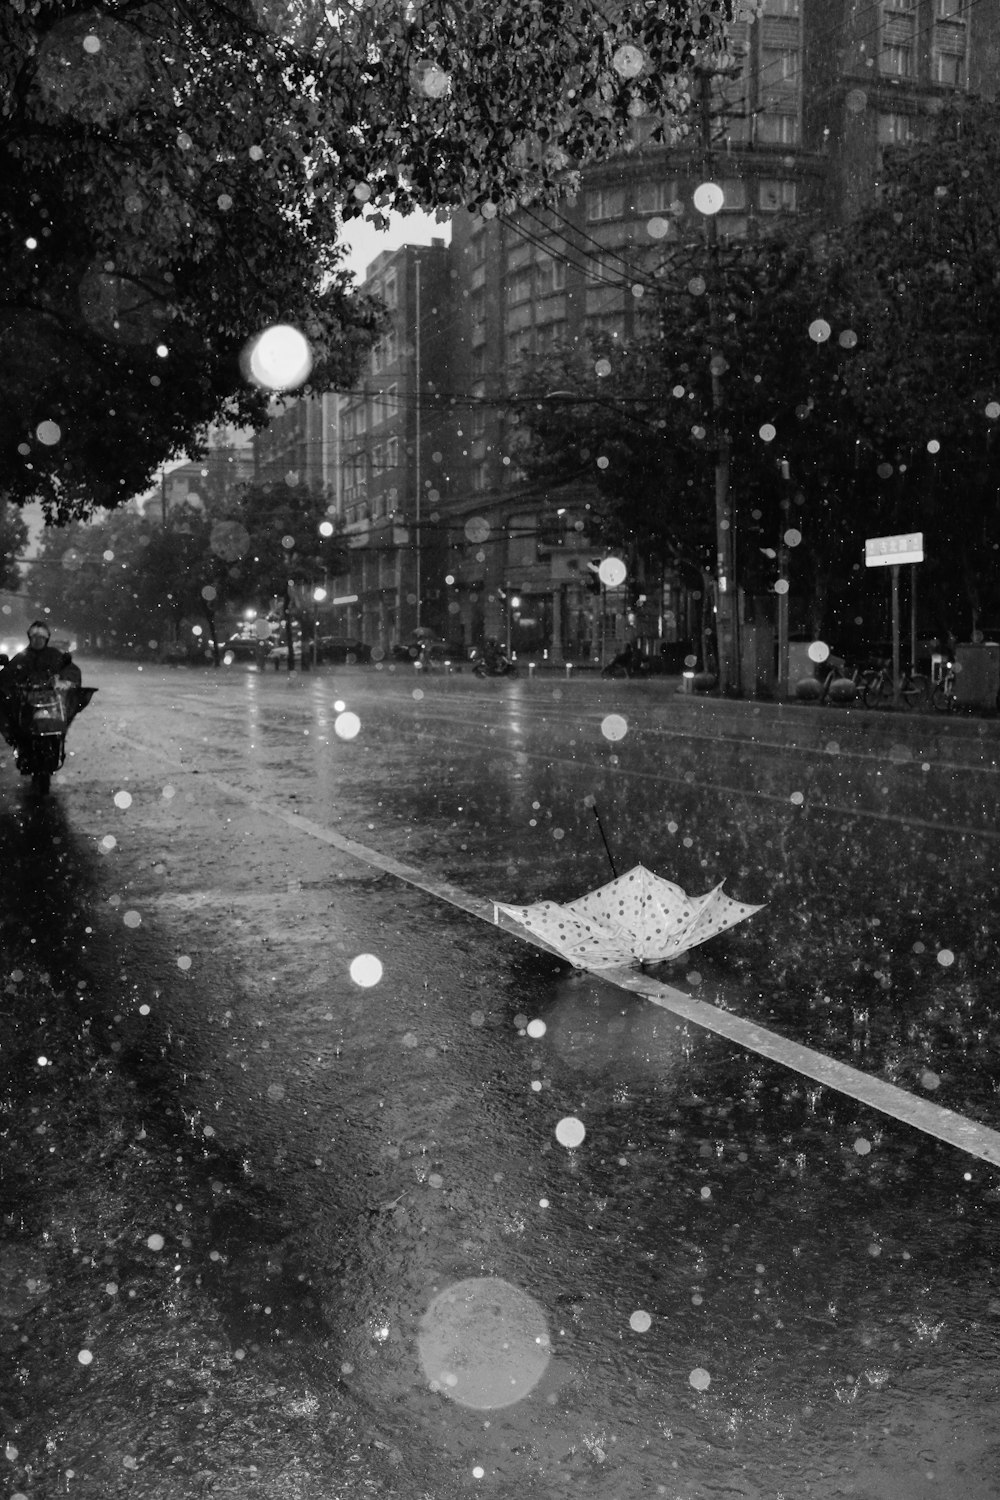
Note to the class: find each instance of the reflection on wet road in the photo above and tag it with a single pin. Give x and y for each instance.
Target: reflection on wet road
(734, 1281)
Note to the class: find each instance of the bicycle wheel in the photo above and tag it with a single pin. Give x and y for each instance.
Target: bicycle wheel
(877, 691)
(941, 699)
(916, 692)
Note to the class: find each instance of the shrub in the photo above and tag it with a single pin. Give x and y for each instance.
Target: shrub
(808, 689)
(704, 682)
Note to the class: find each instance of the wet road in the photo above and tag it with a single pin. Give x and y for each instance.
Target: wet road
(739, 1283)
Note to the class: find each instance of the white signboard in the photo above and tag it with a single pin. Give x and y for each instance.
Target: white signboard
(884, 551)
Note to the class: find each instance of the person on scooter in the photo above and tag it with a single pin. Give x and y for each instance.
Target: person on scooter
(35, 666)
(493, 656)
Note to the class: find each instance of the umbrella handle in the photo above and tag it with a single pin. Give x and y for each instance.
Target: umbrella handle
(604, 838)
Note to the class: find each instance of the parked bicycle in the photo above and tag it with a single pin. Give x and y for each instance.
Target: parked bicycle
(837, 670)
(943, 696)
(914, 689)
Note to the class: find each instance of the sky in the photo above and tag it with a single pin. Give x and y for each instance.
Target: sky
(365, 243)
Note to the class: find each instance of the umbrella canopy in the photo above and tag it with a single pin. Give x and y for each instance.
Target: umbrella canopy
(636, 918)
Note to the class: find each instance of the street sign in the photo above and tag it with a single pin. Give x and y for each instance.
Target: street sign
(890, 551)
(345, 599)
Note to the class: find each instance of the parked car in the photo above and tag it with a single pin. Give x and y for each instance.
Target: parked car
(247, 647)
(440, 653)
(333, 648)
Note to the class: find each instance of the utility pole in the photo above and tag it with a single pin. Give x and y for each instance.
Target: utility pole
(418, 476)
(726, 604)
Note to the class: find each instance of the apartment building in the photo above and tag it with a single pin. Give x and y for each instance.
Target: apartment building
(816, 92)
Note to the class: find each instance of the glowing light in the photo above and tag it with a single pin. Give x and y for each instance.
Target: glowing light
(658, 227)
(614, 727)
(993, 410)
(946, 958)
(819, 330)
(85, 1357)
(602, 367)
(862, 1147)
(279, 358)
(536, 1028)
(700, 1379)
(347, 726)
(628, 61)
(326, 528)
(483, 1343)
(768, 432)
(155, 1241)
(123, 799)
(366, 970)
(818, 651)
(640, 1322)
(48, 433)
(570, 1132)
(612, 572)
(933, 446)
(708, 198)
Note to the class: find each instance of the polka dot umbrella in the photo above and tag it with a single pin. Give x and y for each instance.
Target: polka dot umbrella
(637, 918)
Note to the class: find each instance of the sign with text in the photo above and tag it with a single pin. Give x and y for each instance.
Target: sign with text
(885, 551)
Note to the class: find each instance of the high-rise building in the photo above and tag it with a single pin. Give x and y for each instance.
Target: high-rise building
(797, 120)
(396, 461)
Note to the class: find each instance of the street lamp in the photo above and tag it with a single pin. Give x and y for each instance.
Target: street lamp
(318, 595)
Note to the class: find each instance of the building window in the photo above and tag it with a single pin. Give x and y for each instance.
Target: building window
(779, 68)
(898, 54)
(655, 197)
(548, 335)
(777, 129)
(392, 453)
(519, 289)
(776, 196)
(734, 191)
(781, 7)
(480, 478)
(390, 290)
(949, 49)
(606, 203)
(550, 275)
(518, 256)
(895, 129)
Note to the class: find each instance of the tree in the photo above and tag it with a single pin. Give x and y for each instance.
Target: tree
(639, 420)
(13, 540)
(174, 177)
(920, 270)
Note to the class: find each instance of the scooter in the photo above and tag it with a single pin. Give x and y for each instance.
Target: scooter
(494, 666)
(40, 717)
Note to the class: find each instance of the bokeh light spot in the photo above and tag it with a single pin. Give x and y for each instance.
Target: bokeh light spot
(366, 970)
(484, 1343)
(570, 1132)
(347, 726)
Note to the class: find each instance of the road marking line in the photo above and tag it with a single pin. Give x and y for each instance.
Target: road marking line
(922, 1114)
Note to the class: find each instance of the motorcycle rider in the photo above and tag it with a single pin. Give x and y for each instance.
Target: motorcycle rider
(492, 655)
(36, 666)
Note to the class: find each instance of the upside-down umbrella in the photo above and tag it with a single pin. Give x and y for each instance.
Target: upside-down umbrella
(637, 918)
